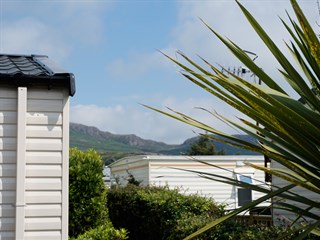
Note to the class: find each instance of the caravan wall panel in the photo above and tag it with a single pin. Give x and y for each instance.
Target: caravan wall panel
(44, 143)
(8, 143)
(176, 173)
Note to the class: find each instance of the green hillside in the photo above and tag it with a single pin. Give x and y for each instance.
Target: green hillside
(114, 146)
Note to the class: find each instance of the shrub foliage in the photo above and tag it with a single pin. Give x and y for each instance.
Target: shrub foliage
(103, 232)
(87, 192)
(153, 213)
(159, 213)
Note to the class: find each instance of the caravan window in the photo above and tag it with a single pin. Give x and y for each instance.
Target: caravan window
(245, 178)
(244, 194)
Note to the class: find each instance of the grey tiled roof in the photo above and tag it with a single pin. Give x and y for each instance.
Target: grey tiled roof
(24, 70)
(20, 65)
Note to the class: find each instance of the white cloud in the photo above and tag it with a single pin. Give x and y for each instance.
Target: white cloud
(137, 65)
(124, 120)
(30, 36)
(83, 21)
(51, 28)
(148, 124)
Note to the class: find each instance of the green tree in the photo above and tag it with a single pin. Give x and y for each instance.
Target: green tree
(204, 146)
(87, 192)
(288, 130)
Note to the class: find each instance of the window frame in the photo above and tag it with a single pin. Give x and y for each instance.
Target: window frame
(238, 178)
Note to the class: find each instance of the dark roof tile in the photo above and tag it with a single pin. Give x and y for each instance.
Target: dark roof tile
(25, 65)
(33, 70)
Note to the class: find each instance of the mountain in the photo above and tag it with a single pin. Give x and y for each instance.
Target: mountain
(114, 146)
(85, 137)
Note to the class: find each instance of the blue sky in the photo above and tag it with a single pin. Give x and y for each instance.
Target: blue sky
(112, 47)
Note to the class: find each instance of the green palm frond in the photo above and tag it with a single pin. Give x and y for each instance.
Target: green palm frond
(287, 129)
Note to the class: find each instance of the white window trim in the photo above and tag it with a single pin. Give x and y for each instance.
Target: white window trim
(247, 173)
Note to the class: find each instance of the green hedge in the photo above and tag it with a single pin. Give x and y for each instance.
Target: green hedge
(153, 213)
(103, 232)
(232, 230)
(159, 213)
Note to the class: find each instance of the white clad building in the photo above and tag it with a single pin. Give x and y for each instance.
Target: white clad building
(34, 148)
(161, 170)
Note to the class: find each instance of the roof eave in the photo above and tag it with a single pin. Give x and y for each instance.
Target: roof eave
(21, 80)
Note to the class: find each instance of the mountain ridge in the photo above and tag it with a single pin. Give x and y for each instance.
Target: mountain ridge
(85, 137)
(129, 141)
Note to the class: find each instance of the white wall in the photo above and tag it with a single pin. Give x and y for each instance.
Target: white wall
(43, 184)
(166, 171)
(46, 166)
(8, 141)
(135, 165)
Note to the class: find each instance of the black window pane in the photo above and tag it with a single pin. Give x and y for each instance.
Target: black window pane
(244, 196)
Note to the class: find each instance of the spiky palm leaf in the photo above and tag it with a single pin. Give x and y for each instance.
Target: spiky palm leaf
(288, 130)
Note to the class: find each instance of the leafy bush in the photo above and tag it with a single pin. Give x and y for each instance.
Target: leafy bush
(159, 213)
(87, 192)
(232, 230)
(103, 232)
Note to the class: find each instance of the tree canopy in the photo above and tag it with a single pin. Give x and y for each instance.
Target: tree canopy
(203, 146)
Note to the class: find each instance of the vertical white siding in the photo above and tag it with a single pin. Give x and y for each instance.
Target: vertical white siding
(44, 171)
(34, 196)
(8, 141)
